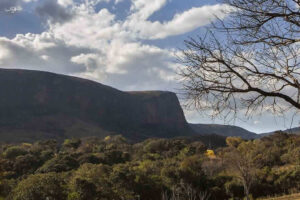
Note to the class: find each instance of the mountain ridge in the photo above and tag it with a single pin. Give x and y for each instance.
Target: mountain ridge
(223, 130)
(295, 130)
(38, 105)
(46, 104)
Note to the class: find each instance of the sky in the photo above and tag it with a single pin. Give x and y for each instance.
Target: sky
(126, 44)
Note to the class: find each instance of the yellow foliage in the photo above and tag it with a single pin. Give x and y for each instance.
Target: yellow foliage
(26, 145)
(233, 141)
(107, 138)
(210, 153)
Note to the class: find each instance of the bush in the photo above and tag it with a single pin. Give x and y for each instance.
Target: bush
(40, 186)
(60, 163)
(13, 152)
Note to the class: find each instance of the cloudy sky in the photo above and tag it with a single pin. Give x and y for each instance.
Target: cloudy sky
(127, 44)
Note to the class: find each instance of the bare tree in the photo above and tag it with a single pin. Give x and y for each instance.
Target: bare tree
(240, 161)
(184, 191)
(250, 60)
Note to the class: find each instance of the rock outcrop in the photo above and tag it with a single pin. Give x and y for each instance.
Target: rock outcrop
(41, 105)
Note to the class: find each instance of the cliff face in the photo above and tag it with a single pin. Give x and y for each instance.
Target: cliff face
(40, 105)
(160, 107)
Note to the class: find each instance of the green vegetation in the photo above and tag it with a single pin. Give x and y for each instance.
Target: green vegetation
(112, 168)
(286, 197)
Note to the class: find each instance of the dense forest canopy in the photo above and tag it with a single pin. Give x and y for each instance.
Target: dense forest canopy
(112, 168)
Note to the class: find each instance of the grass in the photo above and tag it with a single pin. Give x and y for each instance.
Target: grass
(288, 197)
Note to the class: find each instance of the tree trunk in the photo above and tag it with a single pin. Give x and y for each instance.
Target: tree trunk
(246, 190)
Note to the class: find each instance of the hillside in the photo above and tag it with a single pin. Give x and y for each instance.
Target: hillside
(40, 105)
(295, 130)
(223, 130)
(154, 169)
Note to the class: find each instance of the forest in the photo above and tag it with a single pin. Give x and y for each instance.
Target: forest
(166, 169)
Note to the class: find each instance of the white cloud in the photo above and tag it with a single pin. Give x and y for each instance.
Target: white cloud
(40, 52)
(65, 3)
(93, 30)
(9, 5)
(130, 66)
(97, 46)
(90, 61)
(142, 9)
(180, 24)
(118, 1)
(12, 6)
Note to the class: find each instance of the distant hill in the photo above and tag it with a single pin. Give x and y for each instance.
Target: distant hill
(295, 130)
(38, 105)
(223, 130)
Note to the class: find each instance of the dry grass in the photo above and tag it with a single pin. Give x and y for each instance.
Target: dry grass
(289, 197)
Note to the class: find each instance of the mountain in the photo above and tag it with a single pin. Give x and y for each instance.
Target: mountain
(295, 130)
(38, 105)
(223, 130)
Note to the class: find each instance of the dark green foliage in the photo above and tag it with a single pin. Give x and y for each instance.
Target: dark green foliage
(26, 164)
(41, 186)
(60, 163)
(112, 168)
(14, 151)
(89, 158)
(6, 186)
(234, 189)
(72, 143)
(115, 157)
(84, 190)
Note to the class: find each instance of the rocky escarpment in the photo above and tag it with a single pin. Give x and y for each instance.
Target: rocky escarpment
(160, 108)
(41, 105)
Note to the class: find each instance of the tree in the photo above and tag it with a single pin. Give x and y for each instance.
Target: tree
(233, 141)
(240, 160)
(185, 191)
(14, 151)
(40, 186)
(72, 143)
(25, 164)
(86, 177)
(85, 190)
(60, 163)
(248, 60)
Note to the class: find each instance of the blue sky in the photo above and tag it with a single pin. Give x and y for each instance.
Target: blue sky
(127, 44)
(19, 23)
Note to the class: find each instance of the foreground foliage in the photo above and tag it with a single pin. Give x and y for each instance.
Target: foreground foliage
(112, 168)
